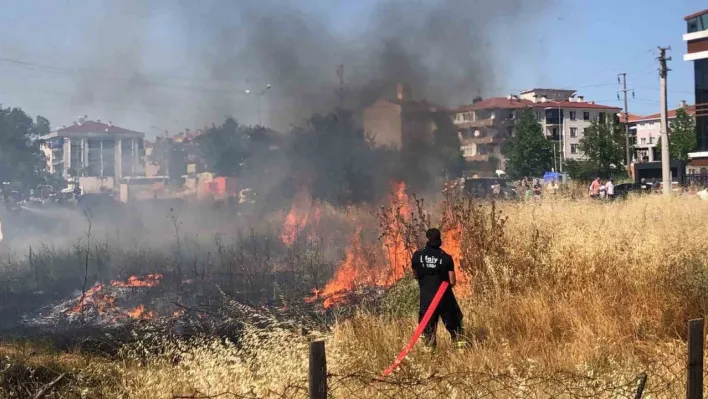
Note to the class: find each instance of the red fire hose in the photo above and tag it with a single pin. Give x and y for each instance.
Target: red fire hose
(421, 326)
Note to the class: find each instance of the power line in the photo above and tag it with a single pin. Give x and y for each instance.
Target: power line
(670, 91)
(140, 78)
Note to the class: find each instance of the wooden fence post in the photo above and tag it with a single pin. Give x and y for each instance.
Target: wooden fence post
(694, 372)
(318, 370)
(642, 384)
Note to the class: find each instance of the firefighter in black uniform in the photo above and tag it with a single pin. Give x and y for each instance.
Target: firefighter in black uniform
(432, 266)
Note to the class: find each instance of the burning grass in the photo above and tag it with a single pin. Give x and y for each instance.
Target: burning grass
(562, 298)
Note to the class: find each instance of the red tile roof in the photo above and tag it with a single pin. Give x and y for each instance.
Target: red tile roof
(573, 104)
(632, 117)
(505, 103)
(495, 103)
(698, 14)
(690, 109)
(95, 127)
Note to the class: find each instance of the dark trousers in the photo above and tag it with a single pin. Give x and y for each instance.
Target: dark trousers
(448, 310)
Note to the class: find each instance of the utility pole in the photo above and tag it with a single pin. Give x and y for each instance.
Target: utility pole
(626, 118)
(340, 91)
(665, 157)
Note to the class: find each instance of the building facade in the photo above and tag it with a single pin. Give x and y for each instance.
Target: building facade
(393, 121)
(99, 154)
(648, 132)
(696, 38)
(484, 126)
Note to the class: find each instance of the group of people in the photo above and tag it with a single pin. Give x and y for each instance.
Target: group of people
(532, 189)
(600, 190)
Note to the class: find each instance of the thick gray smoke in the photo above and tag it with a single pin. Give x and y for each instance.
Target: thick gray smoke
(448, 51)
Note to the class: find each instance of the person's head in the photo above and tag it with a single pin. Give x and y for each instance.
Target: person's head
(434, 237)
(597, 179)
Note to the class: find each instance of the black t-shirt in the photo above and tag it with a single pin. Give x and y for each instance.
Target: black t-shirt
(431, 266)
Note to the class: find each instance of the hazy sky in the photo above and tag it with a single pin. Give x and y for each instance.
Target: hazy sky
(138, 65)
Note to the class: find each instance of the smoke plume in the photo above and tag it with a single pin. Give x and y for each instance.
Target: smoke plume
(448, 51)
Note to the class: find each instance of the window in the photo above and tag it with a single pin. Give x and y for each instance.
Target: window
(697, 24)
(77, 155)
(554, 133)
(469, 151)
(572, 115)
(601, 117)
(538, 115)
(573, 132)
(108, 155)
(651, 140)
(643, 140)
(94, 158)
(586, 116)
(573, 148)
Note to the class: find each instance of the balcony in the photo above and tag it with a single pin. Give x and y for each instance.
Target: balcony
(488, 122)
(478, 157)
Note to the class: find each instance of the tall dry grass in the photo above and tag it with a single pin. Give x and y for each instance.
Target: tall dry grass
(572, 298)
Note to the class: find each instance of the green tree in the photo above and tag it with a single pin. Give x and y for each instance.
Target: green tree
(529, 152)
(682, 136)
(337, 161)
(225, 147)
(603, 147)
(21, 159)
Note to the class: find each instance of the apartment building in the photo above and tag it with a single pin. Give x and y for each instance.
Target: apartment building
(484, 126)
(696, 38)
(564, 117)
(98, 153)
(392, 121)
(648, 132)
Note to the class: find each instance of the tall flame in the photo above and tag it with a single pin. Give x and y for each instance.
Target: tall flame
(452, 244)
(297, 219)
(350, 274)
(394, 245)
(357, 270)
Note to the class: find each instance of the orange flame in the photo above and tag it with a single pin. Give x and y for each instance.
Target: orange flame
(350, 274)
(357, 271)
(150, 280)
(93, 297)
(139, 313)
(394, 244)
(297, 219)
(102, 303)
(452, 244)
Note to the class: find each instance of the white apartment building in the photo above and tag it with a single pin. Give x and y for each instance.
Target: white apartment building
(99, 154)
(564, 117)
(648, 132)
(484, 126)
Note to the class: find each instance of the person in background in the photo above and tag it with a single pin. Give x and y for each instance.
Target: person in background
(610, 189)
(526, 187)
(595, 188)
(431, 267)
(537, 190)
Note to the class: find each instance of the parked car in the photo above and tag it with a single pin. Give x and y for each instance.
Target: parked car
(624, 189)
(490, 187)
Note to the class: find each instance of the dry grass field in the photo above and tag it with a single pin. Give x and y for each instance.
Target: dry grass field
(562, 298)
